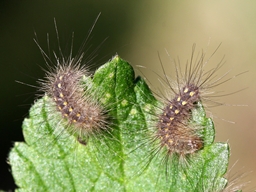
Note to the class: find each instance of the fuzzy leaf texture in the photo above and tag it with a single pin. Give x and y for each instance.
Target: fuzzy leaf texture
(51, 160)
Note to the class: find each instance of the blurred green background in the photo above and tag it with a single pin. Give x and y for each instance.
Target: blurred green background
(136, 30)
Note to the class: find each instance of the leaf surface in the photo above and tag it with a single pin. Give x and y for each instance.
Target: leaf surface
(51, 159)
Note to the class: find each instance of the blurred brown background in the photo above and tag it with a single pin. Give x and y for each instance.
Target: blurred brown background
(136, 30)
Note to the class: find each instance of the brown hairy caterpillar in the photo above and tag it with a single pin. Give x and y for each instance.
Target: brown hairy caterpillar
(175, 136)
(70, 96)
(173, 128)
(64, 85)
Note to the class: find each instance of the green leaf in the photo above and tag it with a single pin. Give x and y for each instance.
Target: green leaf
(52, 160)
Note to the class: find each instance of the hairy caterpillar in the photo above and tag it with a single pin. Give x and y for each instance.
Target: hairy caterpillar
(72, 102)
(178, 131)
